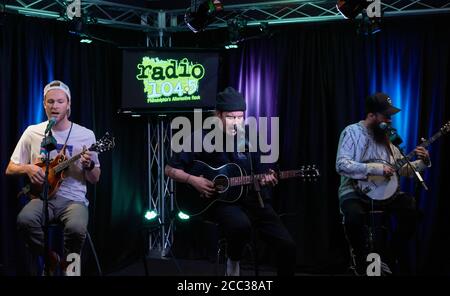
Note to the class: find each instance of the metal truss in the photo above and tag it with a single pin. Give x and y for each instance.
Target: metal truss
(284, 12)
(126, 16)
(133, 16)
(159, 135)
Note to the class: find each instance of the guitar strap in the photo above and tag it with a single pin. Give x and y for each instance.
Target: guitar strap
(62, 151)
(390, 151)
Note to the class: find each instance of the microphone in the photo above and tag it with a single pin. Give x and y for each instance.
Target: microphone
(243, 143)
(392, 133)
(51, 123)
(384, 126)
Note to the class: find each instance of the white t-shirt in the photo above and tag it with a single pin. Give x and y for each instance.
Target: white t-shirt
(28, 150)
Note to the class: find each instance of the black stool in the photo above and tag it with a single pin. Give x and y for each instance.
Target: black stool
(377, 231)
(222, 251)
(56, 243)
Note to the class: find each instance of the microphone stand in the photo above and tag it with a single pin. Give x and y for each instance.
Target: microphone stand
(396, 140)
(256, 185)
(416, 189)
(49, 144)
(416, 173)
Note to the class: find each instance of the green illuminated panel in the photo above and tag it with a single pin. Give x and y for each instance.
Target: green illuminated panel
(170, 80)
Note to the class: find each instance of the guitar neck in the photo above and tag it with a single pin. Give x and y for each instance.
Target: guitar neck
(65, 164)
(411, 154)
(246, 180)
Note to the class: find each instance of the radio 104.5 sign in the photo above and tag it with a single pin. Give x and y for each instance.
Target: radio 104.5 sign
(170, 80)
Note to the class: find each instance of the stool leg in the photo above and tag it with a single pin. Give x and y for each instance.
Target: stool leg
(144, 261)
(351, 251)
(220, 247)
(99, 270)
(218, 260)
(253, 253)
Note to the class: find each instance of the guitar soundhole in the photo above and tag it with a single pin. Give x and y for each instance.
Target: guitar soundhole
(221, 183)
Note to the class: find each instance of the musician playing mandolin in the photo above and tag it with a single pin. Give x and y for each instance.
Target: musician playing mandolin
(365, 150)
(68, 204)
(236, 219)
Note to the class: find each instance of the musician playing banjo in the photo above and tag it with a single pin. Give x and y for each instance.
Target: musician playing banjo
(365, 151)
(69, 204)
(235, 219)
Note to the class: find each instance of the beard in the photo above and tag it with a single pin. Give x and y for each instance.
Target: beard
(379, 135)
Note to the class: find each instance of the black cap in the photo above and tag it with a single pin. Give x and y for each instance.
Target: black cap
(381, 103)
(230, 100)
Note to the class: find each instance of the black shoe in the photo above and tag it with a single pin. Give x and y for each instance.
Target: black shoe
(55, 262)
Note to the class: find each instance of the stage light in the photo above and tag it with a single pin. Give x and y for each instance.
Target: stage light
(182, 216)
(150, 215)
(236, 28)
(231, 46)
(351, 8)
(375, 25)
(78, 27)
(369, 26)
(197, 18)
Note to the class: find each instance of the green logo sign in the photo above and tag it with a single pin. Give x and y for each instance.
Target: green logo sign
(170, 80)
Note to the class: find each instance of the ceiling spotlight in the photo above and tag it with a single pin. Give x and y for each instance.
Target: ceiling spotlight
(369, 26)
(375, 25)
(198, 17)
(236, 28)
(351, 8)
(78, 27)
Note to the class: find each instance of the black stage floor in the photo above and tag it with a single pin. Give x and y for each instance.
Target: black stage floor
(184, 267)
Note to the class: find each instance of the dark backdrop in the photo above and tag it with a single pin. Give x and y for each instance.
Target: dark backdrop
(314, 77)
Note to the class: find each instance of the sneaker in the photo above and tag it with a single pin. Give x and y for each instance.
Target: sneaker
(55, 262)
(233, 268)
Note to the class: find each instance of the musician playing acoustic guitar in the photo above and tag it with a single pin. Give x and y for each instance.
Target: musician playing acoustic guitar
(68, 204)
(235, 219)
(363, 147)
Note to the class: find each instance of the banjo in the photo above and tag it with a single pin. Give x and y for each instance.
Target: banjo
(383, 188)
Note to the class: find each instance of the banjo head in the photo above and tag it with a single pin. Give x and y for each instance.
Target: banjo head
(379, 187)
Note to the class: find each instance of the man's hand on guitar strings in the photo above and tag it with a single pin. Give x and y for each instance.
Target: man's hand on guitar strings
(202, 185)
(36, 174)
(269, 179)
(85, 158)
(388, 171)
